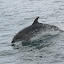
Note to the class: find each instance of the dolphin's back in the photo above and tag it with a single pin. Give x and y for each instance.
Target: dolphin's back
(33, 30)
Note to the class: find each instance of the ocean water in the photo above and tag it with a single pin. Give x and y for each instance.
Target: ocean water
(18, 14)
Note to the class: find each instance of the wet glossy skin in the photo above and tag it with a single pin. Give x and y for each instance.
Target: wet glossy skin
(32, 30)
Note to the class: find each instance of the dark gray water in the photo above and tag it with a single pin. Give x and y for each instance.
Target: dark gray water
(17, 14)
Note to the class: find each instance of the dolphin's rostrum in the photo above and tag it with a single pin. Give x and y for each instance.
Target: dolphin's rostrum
(33, 30)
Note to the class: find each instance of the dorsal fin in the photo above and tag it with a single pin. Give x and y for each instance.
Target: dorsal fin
(36, 20)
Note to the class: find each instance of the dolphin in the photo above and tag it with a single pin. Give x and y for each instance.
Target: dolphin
(27, 33)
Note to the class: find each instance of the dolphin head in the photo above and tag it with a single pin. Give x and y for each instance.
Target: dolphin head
(13, 41)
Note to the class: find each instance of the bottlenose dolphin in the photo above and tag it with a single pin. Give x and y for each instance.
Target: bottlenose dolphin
(32, 30)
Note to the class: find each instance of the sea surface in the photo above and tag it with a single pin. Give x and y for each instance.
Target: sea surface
(18, 14)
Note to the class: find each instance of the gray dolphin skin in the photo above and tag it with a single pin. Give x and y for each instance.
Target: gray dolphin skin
(32, 30)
